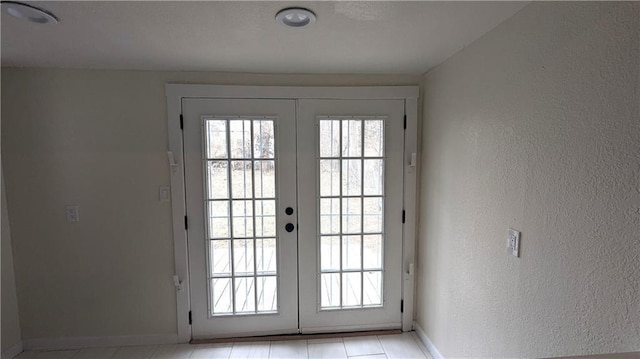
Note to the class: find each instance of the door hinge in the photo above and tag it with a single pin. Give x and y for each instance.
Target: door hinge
(401, 307)
(190, 321)
(186, 223)
(182, 122)
(403, 215)
(405, 122)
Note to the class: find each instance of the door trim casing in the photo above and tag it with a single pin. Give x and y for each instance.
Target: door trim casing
(175, 93)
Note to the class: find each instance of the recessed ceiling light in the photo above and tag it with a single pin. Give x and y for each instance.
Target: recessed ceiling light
(28, 12)
(295, 17)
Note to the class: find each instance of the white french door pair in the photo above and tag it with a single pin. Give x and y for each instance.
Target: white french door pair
(294, 215)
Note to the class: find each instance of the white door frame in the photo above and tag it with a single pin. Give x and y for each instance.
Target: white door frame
(176, 92)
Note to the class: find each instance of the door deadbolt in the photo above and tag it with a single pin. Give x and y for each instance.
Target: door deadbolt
(289, 227)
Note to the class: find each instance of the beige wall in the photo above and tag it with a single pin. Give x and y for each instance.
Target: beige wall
(535, 126)
(10, 321)
(98, 139)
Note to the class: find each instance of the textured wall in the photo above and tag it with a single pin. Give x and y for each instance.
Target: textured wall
(10, 321)
(535, 126)
(99, 139)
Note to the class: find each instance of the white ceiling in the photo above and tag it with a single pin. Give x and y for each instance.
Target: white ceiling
(348, 37)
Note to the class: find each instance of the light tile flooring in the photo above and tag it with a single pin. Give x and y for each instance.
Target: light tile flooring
(395, 346)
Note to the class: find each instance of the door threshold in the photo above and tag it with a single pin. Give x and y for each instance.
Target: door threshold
(296, 336)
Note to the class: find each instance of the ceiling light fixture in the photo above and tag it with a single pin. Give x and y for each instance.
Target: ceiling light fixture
(28, 12)
(295, 17)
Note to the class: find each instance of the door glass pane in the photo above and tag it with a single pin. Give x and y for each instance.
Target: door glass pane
(374, 174)
(329, 215)
(218, 212)
(330, 253)
(218, 187)
(330, 138)
(372, 251)
(240, 181)
(330, 290)
(330, 178)
(221, 295)
(265, 179)
(265, 218)
(351, 252)
(242, 222)
(240, 138)
(351, 211)
(263, 139)
(352, 215)
(372, 288)
(373, 138)
(216, 134)
(266, 256)
(372, 213)
(352, 177)
(267, 294)
(245, 298)
(351, 138)
(351, 289)
(243, 257)
(220, 258)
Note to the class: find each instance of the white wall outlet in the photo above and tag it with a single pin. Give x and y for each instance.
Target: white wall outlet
(513, 243)
(72, 214)
(164, 194)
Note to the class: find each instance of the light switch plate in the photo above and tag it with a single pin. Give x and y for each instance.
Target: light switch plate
(513, 242)
(72, 214)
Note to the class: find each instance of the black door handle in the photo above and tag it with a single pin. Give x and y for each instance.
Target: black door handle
(289, 227)
(288, 211)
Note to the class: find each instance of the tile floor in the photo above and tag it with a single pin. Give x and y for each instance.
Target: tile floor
(396, 346)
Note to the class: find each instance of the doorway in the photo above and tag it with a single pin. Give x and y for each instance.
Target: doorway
(294, 214)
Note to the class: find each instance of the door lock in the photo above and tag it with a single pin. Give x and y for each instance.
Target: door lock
(289, 227)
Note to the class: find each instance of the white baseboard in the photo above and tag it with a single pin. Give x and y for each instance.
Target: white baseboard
(12, 352)
(93, 342)
(426, 341)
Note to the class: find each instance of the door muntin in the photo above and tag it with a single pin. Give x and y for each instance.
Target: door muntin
(350, 211)
(240, 178)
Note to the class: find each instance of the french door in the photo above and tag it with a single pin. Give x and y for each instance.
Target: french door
(294, 210)
(350, 199)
